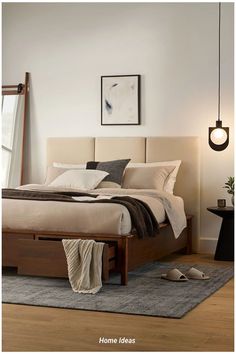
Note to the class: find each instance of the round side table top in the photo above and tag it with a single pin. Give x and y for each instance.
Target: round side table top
(226, 211)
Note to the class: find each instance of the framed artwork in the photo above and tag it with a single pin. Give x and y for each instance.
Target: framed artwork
(120, 100)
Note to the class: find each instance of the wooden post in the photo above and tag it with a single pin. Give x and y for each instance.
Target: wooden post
(105, 263)
(26, 96)
(124, 260)
(189, 234)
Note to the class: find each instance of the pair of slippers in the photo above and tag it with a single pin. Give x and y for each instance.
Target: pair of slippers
(192, 273)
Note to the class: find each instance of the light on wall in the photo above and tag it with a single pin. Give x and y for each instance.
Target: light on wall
(219, 135)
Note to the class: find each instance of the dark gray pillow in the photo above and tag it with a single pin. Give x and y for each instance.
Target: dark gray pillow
(114, 168)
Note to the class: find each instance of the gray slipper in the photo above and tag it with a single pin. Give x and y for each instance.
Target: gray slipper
(196, 274)
(174, 275)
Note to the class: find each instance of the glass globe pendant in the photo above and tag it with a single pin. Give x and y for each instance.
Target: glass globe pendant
(218, 136)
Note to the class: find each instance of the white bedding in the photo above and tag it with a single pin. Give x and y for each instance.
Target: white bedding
(113, 218)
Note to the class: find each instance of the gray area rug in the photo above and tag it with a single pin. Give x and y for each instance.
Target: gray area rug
(146, 293)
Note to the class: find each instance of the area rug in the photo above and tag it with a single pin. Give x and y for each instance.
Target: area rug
(145, 294)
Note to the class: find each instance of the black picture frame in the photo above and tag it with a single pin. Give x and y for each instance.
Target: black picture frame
(120, 99)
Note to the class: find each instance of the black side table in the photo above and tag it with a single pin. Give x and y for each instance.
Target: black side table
(225, 244)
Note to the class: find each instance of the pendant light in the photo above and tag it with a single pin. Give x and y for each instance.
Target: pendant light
(219, 135)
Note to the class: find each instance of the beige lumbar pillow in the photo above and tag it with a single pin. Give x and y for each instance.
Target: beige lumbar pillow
(146, 178)
(70, 166)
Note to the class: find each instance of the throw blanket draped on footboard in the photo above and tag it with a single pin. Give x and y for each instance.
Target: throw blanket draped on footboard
(84, 260)
(142, 217)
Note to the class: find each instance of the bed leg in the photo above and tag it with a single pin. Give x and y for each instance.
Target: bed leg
(105, 263)
(189, 235)
(124, 260)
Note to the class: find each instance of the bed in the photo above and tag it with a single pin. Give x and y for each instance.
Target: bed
(36, 249)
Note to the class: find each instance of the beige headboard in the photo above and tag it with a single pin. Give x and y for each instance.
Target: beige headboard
(139, 149)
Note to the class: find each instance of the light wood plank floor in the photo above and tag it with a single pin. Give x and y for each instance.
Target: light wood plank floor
(209, 327)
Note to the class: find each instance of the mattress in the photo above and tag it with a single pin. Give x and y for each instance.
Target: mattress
(86, 217)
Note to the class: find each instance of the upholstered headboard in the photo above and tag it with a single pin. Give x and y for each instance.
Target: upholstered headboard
(139, 149)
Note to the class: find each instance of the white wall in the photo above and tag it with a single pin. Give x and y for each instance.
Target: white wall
(67, 47)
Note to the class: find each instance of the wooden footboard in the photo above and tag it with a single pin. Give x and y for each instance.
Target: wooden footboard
(42, 253)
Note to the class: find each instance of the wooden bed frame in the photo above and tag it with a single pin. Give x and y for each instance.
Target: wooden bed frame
(41, 252)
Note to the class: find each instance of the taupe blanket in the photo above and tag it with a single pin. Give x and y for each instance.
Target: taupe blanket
(142, 217)
(84, 261)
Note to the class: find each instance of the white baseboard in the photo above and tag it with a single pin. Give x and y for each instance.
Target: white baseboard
(208, 245)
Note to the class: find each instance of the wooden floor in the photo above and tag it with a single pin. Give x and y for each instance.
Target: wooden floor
(209, 327)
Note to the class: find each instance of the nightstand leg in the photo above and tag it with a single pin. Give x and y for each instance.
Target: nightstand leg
(225, 245)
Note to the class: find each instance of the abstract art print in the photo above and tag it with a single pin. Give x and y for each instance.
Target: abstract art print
(120, 100)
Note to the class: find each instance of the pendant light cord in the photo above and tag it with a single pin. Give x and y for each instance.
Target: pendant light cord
(219, 63)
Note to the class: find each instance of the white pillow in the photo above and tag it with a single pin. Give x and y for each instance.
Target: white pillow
(69, 166)
(79, 179)
(171, 179)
